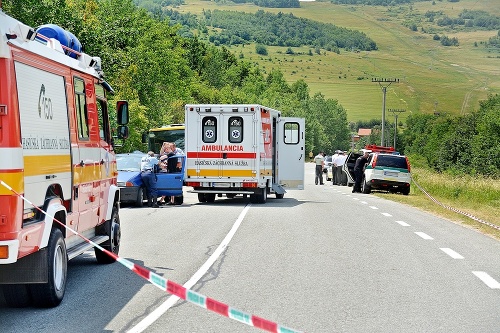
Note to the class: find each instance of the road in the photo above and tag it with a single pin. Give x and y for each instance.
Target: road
(319, 260)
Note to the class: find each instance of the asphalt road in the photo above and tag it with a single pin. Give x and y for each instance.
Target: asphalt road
(319, 260)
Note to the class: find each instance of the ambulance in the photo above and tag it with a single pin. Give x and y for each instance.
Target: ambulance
(57, 161)
(242, 149)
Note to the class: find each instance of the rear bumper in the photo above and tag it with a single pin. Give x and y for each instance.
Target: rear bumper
(388, 184)
(129, 194)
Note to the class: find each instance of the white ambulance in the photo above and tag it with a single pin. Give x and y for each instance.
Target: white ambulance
(57, 161)
(242, 149)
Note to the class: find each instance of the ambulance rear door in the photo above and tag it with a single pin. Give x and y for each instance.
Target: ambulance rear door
(290, 156)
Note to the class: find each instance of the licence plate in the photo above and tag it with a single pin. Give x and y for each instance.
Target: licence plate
(390, 173)
(221, 184)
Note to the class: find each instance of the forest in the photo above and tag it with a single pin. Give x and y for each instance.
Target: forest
(158, 71)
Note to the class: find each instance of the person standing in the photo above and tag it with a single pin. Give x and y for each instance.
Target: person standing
(340, 161)
(148, 176)
(358, 171)
(319, 160)
(335, 181)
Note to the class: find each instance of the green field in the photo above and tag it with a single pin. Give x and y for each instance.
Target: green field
(432, 77)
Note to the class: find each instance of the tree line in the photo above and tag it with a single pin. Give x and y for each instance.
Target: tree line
(158, 71)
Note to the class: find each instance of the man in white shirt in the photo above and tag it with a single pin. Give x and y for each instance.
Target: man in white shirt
(319, 160)
(341, 177)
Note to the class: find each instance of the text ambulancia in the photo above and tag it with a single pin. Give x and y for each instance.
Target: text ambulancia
(246, 149)
(57, 152)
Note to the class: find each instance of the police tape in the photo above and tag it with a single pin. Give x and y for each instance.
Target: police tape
(472, 217)
(175, 288)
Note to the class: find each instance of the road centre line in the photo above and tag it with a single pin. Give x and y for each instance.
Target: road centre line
(423, 235)
(387, 214)
(403, 223)
(451, 253)
(373, 207)
(158, 312)
(487, 279)
(364, 202)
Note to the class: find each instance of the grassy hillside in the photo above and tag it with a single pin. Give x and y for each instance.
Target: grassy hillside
(432, 77)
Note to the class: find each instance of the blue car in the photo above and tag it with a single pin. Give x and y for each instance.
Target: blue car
(132, 189)
(129, 178)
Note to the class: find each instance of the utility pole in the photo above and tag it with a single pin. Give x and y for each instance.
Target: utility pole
(396, 112)
(384, 83)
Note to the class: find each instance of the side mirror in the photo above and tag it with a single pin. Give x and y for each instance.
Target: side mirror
(144, 137)
(122, 112)
(122, 132)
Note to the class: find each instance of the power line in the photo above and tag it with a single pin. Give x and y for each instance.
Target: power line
(384, 83)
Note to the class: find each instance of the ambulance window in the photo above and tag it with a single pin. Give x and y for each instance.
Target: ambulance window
(291, 134)
(82, 118)
(209, 129)
(235, 129)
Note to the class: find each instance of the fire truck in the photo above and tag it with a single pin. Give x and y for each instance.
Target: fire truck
(242, 149)
(57, 165)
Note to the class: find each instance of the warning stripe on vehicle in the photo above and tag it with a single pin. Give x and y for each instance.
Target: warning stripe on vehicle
(177, 289)
(220, 173)
(219, 154)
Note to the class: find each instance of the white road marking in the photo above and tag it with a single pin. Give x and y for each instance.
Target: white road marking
(373, 207)
(355, 198)
(423, 235)
(488, 280)
(387, 214)
(403, 223)
(364, 202)
(158, 312)
(451, 253)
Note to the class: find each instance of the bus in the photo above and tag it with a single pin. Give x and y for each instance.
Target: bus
(155, 137)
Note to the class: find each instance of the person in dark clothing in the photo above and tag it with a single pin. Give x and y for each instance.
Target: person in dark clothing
(358, 171)
(148, 165)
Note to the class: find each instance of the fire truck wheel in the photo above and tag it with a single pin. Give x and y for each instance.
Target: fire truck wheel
(280, 195)
(112, 228)
(210, 197)
(50, 294)
(201, 197)
(17, 295)
(140, 197)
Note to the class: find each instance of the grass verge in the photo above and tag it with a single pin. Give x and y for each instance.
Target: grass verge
(479, 197)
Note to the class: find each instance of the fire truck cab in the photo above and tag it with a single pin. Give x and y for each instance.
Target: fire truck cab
(246, 149)
(57, 165)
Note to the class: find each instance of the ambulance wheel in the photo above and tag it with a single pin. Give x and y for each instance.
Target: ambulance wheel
(280, 195)
(17, 295)
(210, 197)
(50, 294)
(111, 229)
(179, 200)
(262, 196)
(139, 202)
(201, 197)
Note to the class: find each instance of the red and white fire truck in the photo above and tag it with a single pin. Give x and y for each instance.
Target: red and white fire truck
(246, 149)
(57, 161)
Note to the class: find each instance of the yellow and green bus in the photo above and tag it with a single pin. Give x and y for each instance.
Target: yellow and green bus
(155, 137)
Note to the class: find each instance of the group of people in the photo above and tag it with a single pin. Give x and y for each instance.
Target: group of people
(150, 165)
(338, 175)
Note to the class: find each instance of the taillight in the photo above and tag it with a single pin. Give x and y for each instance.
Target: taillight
(252, 185)
(374, 161)
(408, 163)
(193, 184)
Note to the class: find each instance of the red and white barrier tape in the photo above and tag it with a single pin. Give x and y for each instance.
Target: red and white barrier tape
(494, 226)
(177, 289)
